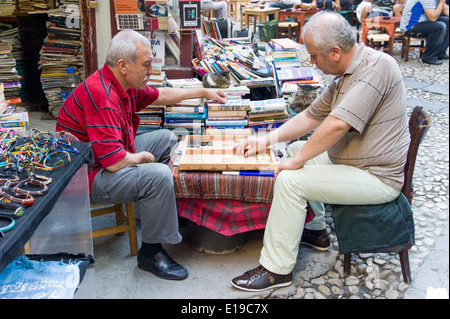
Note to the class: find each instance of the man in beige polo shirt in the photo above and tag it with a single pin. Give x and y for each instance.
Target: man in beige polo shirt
(355, 156)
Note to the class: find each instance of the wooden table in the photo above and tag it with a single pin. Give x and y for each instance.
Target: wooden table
(388, 23)
(260, 14)
(237, 8)
(300, 15)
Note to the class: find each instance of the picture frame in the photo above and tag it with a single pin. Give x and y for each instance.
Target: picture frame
(190, 15)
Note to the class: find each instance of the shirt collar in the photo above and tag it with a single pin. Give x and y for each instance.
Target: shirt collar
(109, 76)
(356, 59)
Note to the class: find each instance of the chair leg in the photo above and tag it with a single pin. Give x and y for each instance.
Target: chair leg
(347, 264)
(120, 216)
(404, 262)
(132, 236)
(407, 49)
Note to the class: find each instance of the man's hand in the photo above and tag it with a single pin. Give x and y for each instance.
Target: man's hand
(256, 145)
(131, 159)
(217, 95)
(289, 163)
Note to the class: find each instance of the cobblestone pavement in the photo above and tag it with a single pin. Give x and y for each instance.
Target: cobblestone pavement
(320, 275)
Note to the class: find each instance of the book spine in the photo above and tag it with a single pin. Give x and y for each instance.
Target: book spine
(172, 121)
(183, 109)
(184, 116)
(226, 123)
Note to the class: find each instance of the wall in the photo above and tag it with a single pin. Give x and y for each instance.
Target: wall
(103, 27)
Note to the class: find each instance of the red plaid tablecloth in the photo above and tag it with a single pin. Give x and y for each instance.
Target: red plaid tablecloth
(227, 204)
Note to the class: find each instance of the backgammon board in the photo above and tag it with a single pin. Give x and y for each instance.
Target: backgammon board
(216, 153)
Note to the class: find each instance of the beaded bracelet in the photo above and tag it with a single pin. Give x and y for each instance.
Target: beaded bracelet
(22, 199)
(18, 210)
(32, 181)
(6, 228)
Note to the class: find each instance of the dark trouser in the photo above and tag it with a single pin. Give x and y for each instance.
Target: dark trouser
(150, 186)
(325, 5)
(436, 34)
(278, 5)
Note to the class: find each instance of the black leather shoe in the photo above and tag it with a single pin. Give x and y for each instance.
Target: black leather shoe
(434, 62)
(162, 266)
(321, 243)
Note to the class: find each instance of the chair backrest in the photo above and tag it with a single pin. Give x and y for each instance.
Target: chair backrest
(419, 123)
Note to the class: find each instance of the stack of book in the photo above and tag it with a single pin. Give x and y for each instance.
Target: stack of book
(7, 8)
(33, 5)
(151, 118)
(238, 59)
(230, 115)
(266, 115)
(283, 58)
(284, 52)
(16, 121)
(61, 49)
(8, 73)
(156, 79)
(236, 92)
(186, 116)
(185, 83)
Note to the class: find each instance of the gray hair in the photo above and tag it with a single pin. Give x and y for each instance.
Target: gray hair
(123, 46)
(329, 29)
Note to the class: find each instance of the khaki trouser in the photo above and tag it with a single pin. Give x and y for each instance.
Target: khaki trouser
(319, 181)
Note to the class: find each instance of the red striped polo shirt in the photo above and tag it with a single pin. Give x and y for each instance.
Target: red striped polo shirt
(99, 111)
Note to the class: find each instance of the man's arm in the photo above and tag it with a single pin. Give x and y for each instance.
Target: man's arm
(131, 159)
(296, 127)
(327, 134)
(433, 14)
(169, 96)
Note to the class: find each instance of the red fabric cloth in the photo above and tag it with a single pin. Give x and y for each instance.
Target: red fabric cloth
(228, 217)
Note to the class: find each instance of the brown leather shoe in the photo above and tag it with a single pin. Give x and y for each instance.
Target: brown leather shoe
(321, 243)
(260, 279)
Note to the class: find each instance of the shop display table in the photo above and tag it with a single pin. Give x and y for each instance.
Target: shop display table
(260, 14)
(226, 204)
(388, 23)
(300, 15)
(69, 192)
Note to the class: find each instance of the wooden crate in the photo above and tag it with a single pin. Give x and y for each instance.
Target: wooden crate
(216, 153)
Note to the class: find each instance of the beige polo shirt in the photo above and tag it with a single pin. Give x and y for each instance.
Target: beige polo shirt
(370, 96)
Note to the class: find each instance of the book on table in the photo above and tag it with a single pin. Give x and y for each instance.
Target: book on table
(294, 74)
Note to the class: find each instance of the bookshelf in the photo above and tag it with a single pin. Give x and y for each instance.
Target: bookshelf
(182, 39)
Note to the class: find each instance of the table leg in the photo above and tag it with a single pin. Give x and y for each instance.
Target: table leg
(247, 24)
(391, 32)
(365, 30)
(301, 21)
(255, 21)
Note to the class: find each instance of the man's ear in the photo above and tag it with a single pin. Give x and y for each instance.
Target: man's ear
(336, 53)
(122, 66)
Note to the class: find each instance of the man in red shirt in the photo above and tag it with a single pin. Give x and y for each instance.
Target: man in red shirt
(129, 167)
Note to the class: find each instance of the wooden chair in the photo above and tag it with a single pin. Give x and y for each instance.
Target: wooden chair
(419, 124)
(378, 40)
(407, 46)
(207, 14)
(125, 222)
(289, 30)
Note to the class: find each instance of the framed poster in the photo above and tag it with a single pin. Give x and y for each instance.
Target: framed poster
(190, 14)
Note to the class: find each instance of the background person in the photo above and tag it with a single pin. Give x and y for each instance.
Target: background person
(428, 18)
